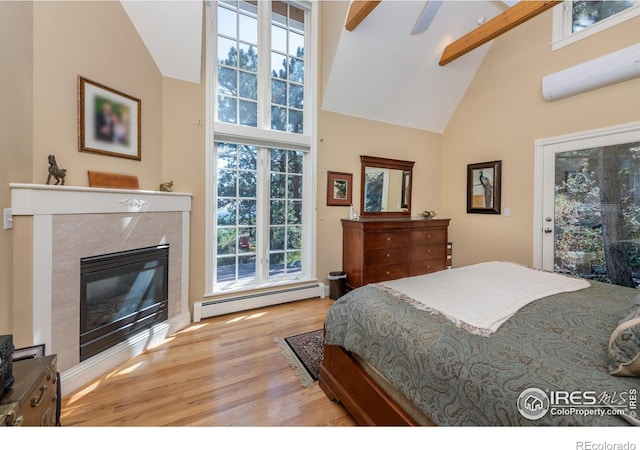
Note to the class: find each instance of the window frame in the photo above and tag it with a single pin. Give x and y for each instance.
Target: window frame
(264, 138)
(562, 34)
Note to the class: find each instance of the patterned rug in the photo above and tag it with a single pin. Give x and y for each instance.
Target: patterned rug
(304, 354)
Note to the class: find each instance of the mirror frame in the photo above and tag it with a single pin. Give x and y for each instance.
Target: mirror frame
(386, 163)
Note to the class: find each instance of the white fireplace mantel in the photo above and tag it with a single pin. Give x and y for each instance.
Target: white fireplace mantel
(45, 199)
(69, 220)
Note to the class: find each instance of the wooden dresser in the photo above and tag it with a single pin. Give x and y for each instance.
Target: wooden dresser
(375, 250)
(33, 399)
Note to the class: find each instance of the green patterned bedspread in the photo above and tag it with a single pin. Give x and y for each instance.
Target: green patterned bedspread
(558, 343)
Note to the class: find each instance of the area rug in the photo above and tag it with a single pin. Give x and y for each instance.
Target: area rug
(304, 354)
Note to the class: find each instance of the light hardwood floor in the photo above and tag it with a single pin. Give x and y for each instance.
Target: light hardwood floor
(223, 371)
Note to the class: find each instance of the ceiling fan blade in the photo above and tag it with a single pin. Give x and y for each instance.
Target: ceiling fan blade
(428, 13)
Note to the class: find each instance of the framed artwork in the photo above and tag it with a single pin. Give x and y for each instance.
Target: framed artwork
(483, 187)
(339, 189)
(108, 121)
(34, 351)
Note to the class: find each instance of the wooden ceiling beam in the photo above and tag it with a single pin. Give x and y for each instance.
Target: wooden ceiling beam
(358, 11)
(511, 18)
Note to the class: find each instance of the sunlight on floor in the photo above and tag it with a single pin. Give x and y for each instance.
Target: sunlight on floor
(126, 370)
(160, 342)
(78, 395)
(252, 316)
(192, 328)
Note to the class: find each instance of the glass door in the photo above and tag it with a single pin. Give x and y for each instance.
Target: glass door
(590, 220)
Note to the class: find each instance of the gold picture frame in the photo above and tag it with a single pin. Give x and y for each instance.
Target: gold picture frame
(109, 121)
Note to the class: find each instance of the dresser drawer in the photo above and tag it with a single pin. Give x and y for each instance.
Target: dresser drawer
(386, 240)
(423, 252)
(373, 274)
(384, 256)
(428, 236)
(427, 266)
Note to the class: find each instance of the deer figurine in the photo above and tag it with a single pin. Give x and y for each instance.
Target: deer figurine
(55, 171)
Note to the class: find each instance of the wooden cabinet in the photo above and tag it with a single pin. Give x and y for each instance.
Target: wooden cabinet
(375, 250)
(33, 398)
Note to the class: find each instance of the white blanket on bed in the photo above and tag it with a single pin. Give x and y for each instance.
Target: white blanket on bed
(480, 297)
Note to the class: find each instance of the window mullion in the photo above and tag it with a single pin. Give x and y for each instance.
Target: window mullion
(262, 211)
(264, 65)
(567, 18)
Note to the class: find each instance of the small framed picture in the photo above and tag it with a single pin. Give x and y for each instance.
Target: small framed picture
(108, 121)
(339, 189)
(483, 187)
(34, 351)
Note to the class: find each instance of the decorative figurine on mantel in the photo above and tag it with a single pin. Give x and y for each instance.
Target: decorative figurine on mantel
(55, 171)
(166, 187)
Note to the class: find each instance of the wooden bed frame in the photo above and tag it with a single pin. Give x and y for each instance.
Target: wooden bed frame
(344, 380)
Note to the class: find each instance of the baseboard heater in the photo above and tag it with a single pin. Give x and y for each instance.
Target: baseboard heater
(217, 307)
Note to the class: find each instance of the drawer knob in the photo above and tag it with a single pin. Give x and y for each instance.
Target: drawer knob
(387, 272)
(428, 236)
(388, 239)
(388, 255)
(428, 250)
(35, 401)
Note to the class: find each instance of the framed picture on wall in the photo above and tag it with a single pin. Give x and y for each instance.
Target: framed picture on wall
(484, 187)
(339, 189)
(108, 121)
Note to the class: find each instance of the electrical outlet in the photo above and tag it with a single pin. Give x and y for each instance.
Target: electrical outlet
(7, 215)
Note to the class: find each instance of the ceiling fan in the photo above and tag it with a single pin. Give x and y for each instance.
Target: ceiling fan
(426, 17)
(430, 10)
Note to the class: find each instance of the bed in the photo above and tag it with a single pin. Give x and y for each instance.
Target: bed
(393, 358)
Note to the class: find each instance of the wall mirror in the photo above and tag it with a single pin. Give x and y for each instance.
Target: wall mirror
(385, 187)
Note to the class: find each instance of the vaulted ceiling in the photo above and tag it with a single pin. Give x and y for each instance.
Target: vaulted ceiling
(386, 72)
(382, 70)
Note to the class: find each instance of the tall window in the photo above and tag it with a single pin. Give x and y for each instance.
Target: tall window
(574, 20)
(261, 199)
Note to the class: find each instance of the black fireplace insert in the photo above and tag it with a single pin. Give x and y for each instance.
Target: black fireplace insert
(121, 294)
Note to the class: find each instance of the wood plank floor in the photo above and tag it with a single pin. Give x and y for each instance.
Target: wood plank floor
(223, 371)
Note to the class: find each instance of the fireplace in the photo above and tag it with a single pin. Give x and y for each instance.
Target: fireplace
(121, 294)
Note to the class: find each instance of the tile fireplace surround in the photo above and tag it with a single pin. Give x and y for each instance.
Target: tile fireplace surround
(55, 226)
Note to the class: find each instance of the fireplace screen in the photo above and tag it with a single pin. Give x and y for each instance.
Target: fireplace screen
(121, 294)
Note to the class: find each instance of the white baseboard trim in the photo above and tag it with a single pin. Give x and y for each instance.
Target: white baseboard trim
(73, 379)
(211, 308)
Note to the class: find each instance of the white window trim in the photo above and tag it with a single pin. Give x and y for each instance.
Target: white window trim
(218, 131)
(562, 35)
